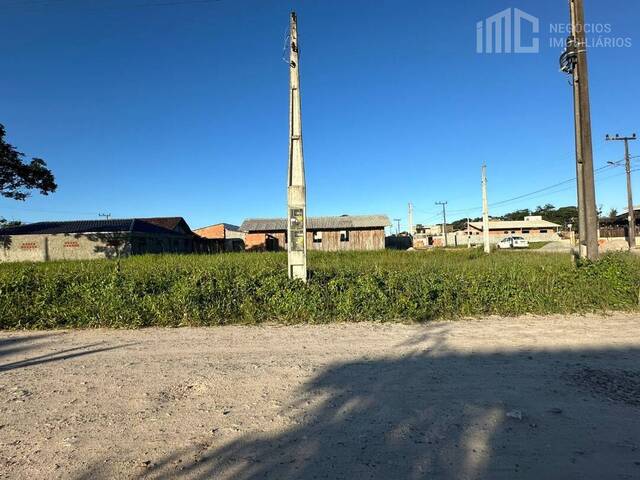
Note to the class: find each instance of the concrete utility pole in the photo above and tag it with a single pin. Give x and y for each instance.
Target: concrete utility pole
(296, 190)
(485, 212)
(582, 219)
(410, 218)
(444, 221)
(627, 165)
(574, 62)
(468, 234)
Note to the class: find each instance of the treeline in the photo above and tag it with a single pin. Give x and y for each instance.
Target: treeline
(562, 216)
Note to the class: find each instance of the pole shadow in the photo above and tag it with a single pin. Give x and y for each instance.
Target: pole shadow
(61, 355)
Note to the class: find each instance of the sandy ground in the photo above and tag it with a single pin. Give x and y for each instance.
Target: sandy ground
(535, 398)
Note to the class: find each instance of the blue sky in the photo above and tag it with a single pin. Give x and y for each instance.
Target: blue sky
(179, 107)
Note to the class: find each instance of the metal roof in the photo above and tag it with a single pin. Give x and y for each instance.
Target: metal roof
(88, 226)
(507, 225)
(227, 226)
(342, 222)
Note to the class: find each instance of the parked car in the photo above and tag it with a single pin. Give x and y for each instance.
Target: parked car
(513, 242)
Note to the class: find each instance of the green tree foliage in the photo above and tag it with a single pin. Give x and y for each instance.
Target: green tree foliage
(17, 177)
(9, 223)
(516, 215)
(462, 223)
(562, 216)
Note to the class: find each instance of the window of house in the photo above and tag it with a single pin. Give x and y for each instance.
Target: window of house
(525, 231)
(317, 237)
(543, 231)
(344, 235)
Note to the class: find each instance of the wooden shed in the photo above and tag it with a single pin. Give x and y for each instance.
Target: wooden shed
(331, 234)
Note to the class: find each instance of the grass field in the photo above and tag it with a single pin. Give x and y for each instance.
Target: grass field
(175, 290)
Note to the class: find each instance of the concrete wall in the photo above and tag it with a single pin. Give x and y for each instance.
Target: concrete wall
(460, 238)
(496, 236)
(39, 248)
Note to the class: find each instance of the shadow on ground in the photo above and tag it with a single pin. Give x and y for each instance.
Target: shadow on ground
(23, 344)
(445, 416)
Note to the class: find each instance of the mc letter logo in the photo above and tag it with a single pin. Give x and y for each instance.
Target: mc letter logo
(502, 33)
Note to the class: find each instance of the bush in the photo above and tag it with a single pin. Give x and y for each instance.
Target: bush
(175, 290)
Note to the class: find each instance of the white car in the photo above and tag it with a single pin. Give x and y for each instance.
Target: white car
(513, 242)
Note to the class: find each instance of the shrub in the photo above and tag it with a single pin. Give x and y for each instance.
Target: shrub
(177, 290)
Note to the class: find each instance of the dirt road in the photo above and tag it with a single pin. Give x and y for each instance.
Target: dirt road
(534, 398)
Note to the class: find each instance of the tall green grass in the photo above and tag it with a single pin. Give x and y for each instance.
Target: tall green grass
(175, 290)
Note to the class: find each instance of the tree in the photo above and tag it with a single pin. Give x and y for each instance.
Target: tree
(9, 223)
(562, 216)
(517, 215)
(17, 177)
(613, 213)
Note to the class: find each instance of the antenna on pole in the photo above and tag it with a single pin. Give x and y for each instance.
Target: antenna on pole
(296, 185)
(105, 215)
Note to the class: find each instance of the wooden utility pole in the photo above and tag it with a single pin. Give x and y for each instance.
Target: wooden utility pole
(444, 221)
(485, 212)
(574, 62)
(627, 165)
(296, 186)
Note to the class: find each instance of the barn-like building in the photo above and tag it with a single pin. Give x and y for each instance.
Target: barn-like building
(345, 232)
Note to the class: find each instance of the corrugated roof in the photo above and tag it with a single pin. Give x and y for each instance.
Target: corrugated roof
(227, 226)
(342, 222)
(87, 226)
(507, 225)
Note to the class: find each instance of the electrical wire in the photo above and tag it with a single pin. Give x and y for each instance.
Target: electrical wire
(54, 3)
(38, 210)
(558, 187)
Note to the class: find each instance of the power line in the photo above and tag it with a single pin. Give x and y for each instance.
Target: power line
(607, 166)
(54, 3)
(37, 210)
